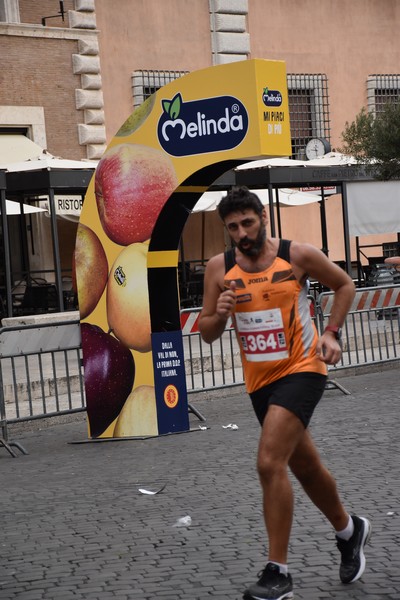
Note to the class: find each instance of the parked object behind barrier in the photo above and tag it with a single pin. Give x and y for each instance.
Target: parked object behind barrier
(383, 274)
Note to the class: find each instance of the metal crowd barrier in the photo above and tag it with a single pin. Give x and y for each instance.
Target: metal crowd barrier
(371, 333)
(209, 366)
(40, 371)
(40, 365)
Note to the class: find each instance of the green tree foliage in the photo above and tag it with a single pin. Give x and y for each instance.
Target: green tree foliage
(375, 141)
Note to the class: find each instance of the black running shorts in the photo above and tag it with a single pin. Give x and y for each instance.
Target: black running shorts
(299, 393)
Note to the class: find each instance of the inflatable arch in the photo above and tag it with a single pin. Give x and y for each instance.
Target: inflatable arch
(165, 155)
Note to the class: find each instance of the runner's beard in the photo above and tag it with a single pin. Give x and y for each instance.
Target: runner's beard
(253, 247)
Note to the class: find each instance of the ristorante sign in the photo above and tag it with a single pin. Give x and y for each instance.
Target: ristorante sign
(65, 205)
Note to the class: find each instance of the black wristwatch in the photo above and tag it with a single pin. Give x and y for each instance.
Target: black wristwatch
(337, 331)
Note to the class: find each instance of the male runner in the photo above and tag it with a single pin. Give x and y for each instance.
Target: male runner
(262, 284)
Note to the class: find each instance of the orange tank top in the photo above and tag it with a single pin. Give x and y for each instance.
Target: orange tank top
(276, 334)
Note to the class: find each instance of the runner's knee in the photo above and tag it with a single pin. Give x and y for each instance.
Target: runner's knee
(268, 466)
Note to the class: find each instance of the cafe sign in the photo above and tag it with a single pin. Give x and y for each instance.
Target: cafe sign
(66, 206)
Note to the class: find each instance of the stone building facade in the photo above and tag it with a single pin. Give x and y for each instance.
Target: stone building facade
(72, 72)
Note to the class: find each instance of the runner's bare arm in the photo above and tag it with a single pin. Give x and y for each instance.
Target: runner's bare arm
(310, 261)
(218, 303)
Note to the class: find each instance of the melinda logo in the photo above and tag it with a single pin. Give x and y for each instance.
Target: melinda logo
(200, 126)
(272, 97)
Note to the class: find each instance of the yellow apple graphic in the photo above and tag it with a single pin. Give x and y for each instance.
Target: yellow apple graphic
(89, 269)
(139, 414)
(128, 311)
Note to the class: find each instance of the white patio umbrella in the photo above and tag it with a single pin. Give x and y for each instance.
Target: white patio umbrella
(47, 161)
(328, 160)
(17, 147)
(14, 208)
(287, 197)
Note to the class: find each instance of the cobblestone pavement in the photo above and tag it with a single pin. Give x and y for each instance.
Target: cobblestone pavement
(75, 526)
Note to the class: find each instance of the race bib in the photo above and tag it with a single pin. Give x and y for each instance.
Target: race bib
(262, 335)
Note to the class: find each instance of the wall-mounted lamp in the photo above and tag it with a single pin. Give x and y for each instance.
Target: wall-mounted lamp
(59, 14)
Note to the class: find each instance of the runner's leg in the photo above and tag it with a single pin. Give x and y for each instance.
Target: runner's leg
(317, 481)
(281, 433)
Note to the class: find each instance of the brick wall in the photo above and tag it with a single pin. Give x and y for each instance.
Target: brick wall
(33, 11)
(44, 79)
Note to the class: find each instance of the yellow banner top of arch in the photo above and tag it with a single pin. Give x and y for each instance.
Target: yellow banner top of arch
(225, 112)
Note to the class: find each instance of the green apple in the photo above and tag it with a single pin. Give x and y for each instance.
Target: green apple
(137, 118)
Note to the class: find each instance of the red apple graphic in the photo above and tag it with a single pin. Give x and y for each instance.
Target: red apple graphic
(109, 375)
(89, 269)
(132, 184)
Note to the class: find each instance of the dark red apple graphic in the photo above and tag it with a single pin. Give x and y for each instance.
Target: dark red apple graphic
(109, 370)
